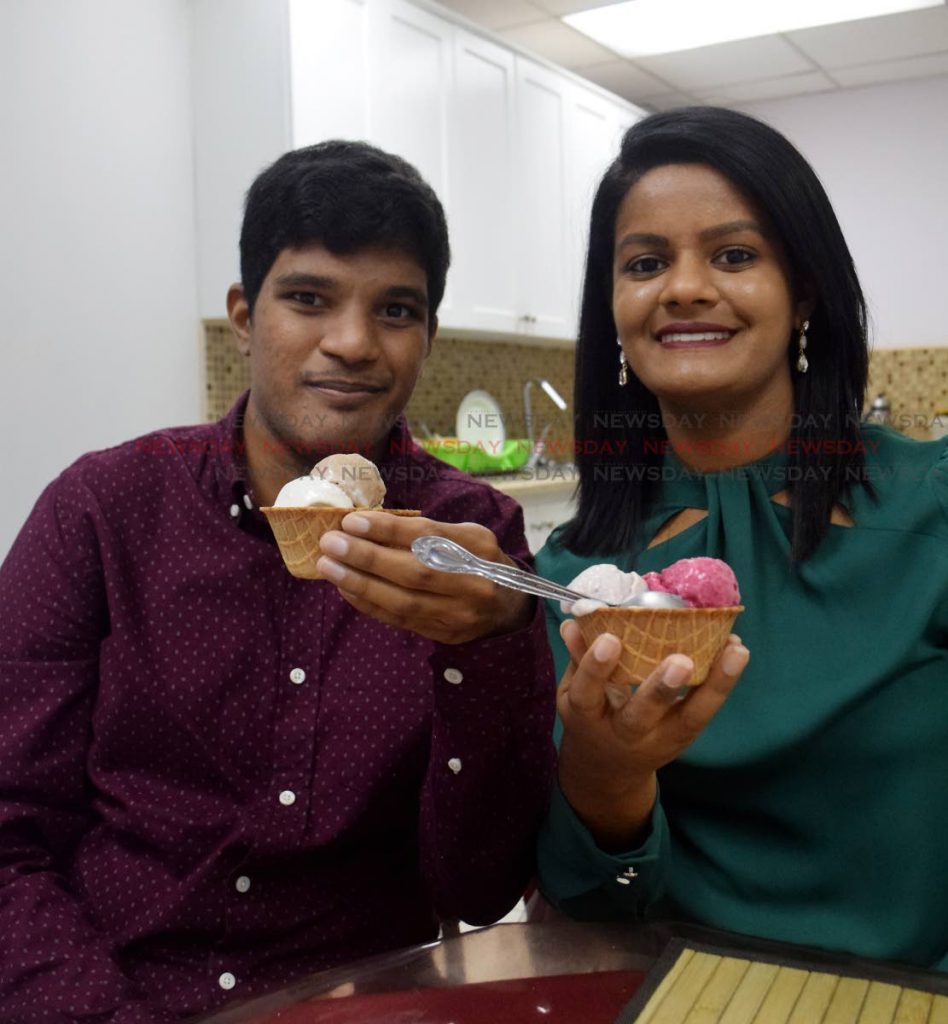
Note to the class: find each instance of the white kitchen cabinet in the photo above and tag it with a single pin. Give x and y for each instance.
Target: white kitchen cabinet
(481, 200)
(543, 511)
(595, 129)
(505, 141)
(543, 256)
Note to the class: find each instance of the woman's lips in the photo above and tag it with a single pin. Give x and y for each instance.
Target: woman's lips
(695, 339)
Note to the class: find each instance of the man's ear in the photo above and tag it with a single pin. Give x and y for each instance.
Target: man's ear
(238, 313)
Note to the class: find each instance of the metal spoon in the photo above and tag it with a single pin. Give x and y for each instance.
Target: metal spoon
(446, 556)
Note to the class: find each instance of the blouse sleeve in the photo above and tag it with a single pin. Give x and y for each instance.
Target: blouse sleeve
(574, 874)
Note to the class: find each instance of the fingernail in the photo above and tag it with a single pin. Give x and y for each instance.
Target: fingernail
(334, 544)
(331, 569)
(605, 648)
(563, 626)
(676, 674)
(617, 696)
(357, 524)
(733, 660)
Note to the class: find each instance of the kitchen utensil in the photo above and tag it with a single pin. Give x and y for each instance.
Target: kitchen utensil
(480, 422)
(446, 556)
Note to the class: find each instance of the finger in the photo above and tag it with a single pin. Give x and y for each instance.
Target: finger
(356, 561)
(399, 532)
(703, 703)
(573, 639)
(657, 694)
(586, 691)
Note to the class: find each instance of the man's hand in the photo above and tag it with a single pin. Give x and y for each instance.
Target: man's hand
(615, 739)
(371, 563)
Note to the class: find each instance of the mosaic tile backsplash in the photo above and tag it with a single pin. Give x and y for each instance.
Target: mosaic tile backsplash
(915, 381)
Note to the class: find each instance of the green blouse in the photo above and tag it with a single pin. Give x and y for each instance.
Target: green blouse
(814, 807)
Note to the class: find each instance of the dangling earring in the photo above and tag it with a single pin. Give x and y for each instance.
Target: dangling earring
(802, 364)
(623, 366)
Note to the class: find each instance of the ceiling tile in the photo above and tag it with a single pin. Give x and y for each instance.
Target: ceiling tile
(875, 39)
(893, 70)
(768, 89)
(669, 100)
(496, 14)
(624, 79)
(559, 43)
(561, 7)
(727, 63)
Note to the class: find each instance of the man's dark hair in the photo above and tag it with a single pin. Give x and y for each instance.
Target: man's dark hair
(346, 196)
(828, 399)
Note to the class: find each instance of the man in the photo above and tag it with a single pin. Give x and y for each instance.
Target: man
(215, 777)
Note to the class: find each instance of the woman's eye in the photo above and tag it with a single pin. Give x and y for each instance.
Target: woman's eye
(645, 265)
(734, 257)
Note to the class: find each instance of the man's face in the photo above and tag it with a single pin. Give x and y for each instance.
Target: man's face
(336, 345)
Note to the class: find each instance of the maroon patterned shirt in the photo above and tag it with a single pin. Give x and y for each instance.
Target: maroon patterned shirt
(215, 777)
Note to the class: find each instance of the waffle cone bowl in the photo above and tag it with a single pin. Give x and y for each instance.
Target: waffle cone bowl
(297, 531)
(649, 635)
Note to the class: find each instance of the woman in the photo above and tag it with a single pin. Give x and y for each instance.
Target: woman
(808, 801)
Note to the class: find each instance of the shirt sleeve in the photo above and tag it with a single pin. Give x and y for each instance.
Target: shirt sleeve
(492, 756)
(574, 874)
(55, 965)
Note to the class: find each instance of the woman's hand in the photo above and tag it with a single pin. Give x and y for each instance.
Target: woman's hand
(615, 739)
(371, 562)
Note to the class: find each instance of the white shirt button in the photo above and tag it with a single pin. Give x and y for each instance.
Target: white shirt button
(242, 884)
(235, 510)
(625, 877)
(248, 501)
(227, 981)
(287, 798)
(455, 764)
(453, 675)
(297, 675)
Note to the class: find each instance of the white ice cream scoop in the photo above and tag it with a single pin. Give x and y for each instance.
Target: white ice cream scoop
(446, 556)
(307, 491)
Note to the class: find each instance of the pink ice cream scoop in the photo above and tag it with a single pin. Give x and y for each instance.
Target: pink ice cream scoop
(700, 582)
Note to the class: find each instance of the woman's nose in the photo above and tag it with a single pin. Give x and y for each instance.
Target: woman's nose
(689, 281)
(350, 336)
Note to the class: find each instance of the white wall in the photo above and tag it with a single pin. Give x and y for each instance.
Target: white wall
(882, 154)
(99, 338)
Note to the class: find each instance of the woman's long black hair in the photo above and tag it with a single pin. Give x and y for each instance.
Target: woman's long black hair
(618, 481)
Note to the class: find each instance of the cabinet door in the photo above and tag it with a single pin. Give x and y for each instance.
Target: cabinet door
(409, 89)
(595, 128)
(329, 57)
(481, 168)
(542, 513)
(541, 199)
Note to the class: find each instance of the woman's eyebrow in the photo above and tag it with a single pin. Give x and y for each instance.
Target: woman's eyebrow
(732, 227)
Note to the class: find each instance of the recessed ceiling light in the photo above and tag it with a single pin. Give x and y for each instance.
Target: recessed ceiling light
(640, 28)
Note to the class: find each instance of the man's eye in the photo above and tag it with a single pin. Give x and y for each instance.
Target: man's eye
(645, 265)
(305, 298)
(399, 311)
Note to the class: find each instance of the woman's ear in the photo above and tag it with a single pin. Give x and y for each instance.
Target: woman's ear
(238, 313)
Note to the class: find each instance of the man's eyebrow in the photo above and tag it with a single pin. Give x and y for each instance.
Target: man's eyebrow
(406, 291)
(298, 279)
(718, 230)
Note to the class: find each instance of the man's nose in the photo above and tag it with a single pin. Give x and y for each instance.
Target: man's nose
(351, 336)
(689, 281)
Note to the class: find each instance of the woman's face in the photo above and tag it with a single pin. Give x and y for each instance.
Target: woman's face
(701, 295)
